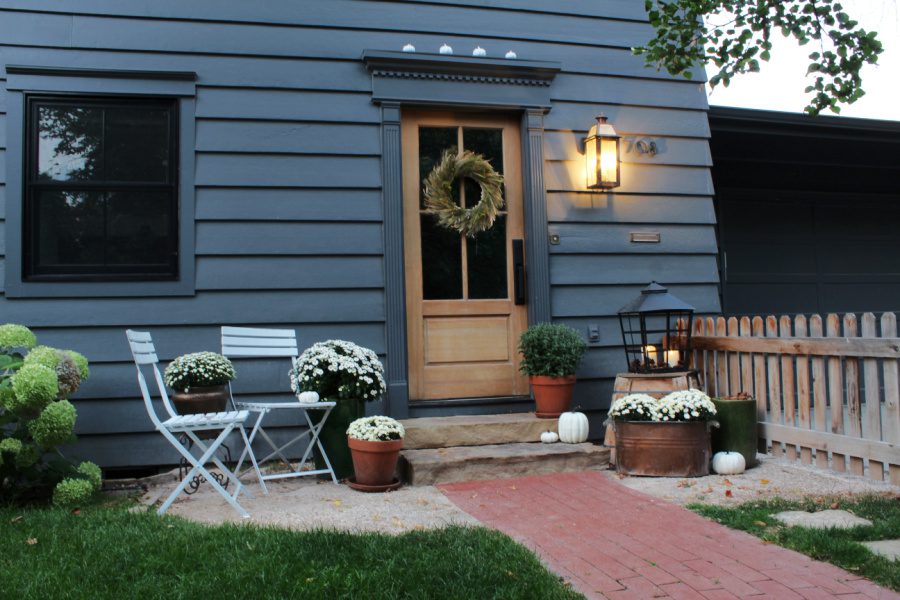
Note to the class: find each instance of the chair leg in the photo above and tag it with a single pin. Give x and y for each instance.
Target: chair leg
(314, 438)
(248, 449)
(228, 473)
(259, 475)
(198, 467)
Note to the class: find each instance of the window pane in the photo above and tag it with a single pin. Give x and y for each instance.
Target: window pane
(84, 232)
(138, 228)
(433, 141)
(486, 257)
(69, 143)
(137, 144)
(441, 261)
(70, 228)
(488, 143)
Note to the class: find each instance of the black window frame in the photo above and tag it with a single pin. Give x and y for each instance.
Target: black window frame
(31, 270)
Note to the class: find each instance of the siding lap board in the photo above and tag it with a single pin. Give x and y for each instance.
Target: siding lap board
(288, 177)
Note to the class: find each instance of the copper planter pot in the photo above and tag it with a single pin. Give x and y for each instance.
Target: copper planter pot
(374, 463)
(552, 395)
(201, 400)
(662, 449)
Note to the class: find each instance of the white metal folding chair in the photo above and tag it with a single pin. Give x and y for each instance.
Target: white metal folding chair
(247, 342)
(144, 354)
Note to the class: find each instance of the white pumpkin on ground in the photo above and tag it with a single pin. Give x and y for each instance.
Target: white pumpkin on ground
(573, 427)
(549, 437)
(728, 463)
(308, 397)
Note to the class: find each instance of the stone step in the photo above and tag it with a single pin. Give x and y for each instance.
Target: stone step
(431, 466)
(474, 430)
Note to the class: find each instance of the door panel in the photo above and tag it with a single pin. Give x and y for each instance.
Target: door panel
(462, 321)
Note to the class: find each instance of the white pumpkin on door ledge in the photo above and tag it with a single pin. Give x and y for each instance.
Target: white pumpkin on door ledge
(573, 427)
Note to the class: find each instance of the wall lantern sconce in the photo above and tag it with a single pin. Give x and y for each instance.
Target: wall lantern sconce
(601, 154)
(656, 331)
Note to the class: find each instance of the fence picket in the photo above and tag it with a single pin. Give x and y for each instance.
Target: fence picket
(734, 368)
(788, 383)
(819, 388)
(759, 376)
(872, 421)
(854, 411)
(803, 405)
(774, 379)
(746, 359)
(721, 361)
(835, 391)
(891, 424)
(697, 361)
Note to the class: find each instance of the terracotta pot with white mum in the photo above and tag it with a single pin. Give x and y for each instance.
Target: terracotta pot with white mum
(375, 444)
(199, 382)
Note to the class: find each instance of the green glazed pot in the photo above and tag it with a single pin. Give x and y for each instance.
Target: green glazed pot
(334, 435)
(737, 430)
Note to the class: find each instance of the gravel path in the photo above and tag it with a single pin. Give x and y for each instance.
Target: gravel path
(773, 477)
(310, 504)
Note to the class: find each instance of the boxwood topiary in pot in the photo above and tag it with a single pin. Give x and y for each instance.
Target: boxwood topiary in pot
(550, 356)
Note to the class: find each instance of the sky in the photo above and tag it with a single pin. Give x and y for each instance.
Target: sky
(780, 83)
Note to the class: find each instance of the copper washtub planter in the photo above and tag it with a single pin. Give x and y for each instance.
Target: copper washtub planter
(663, 449)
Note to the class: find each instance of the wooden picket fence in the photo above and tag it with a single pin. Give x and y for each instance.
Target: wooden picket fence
(827, 390)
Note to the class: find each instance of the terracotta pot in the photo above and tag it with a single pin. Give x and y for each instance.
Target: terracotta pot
(552, 395)
(200, 400)
(374, 463)
(662, 449)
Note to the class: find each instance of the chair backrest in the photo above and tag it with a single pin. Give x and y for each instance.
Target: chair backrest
(144, 354)
(246, 342)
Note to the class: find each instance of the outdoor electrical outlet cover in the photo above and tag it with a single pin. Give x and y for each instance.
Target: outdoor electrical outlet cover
(593, 333)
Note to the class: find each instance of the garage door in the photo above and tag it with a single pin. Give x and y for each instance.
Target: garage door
(801, 252)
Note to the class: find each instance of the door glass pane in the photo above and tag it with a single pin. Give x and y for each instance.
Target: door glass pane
(486, 257)
(433, 141)
(488, 143)
(441, 261)
(69, 143)
(137, 144)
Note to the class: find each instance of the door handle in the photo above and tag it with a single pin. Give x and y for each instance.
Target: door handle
(518, 256)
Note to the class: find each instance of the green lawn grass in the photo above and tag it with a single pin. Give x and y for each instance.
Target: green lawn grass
(106, 552)
(839, 547)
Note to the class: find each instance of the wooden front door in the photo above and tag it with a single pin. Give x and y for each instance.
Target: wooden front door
(462, 317)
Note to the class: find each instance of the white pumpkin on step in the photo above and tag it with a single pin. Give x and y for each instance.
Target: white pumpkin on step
(728, 463)
(549, 437)
(573, 427)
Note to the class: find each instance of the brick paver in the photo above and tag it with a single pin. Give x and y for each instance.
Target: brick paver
(613, 542)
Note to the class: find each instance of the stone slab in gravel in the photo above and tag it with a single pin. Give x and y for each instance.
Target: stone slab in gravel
(823, 519)
(887, 548)
(311, 504)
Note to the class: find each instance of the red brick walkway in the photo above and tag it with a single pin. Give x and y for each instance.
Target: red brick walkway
(612, 542)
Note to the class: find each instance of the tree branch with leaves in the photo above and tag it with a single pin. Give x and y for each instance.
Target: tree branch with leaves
(735, 35)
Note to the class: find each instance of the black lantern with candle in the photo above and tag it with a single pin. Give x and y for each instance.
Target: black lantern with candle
(656, 331)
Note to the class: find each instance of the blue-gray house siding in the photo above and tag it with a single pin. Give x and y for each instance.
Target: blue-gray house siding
(287, 177)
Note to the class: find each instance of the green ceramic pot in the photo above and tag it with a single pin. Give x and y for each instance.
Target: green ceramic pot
(737, 430)
(334, 435)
